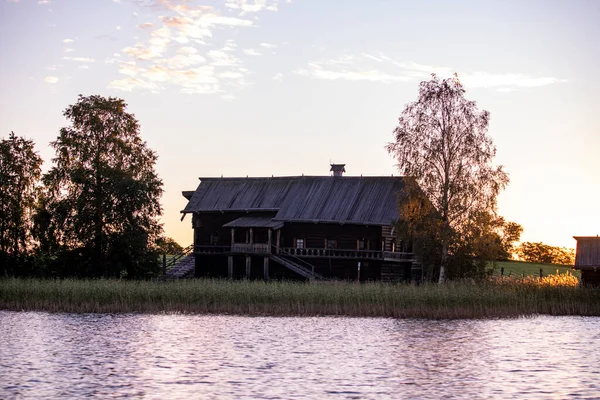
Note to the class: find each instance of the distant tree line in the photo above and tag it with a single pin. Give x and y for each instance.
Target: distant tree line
(539, 252)
(95, 212)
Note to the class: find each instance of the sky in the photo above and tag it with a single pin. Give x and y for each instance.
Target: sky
(268, 87)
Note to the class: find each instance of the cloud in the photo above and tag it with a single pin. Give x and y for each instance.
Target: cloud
(13, 1)
(252, 52)
(381, 68)
(506, 81)
(506, 90)
(44, 1)
(222, 58)
(249, 6)
(325, 71)
(51, 79)
(68, 40)
(187, 69)
(69, 50)
(180, 48)
(231, 75)
(195, 80)
(268, 45)
(80, 59)
(278, 77)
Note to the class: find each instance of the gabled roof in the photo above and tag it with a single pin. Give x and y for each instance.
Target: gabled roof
(343, 199)
(588, 252)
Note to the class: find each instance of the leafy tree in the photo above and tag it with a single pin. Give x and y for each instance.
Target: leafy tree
(420, 223)
(543, 253)
(511, 233)
(167, 245)
(441, 141)
(20, 171)
(101, 200)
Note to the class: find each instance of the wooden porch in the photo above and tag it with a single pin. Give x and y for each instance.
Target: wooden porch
(266, 249)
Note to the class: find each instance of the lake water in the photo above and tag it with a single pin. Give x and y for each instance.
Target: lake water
(219, 357)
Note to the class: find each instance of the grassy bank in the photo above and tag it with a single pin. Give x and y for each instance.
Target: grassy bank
(453, 300)
(520, 268)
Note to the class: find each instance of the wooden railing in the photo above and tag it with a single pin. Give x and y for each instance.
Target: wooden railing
(258, 248)
(263, 248)
(211, 249)
(343, 253)
(389, 255)
(175, 258)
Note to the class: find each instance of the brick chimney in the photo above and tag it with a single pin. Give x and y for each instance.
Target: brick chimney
(337, 169)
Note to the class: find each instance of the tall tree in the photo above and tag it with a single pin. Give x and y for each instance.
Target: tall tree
(441, 141)
(20, 171)
(102, 194)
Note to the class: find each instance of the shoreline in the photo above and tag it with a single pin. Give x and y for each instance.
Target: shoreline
(454, 300)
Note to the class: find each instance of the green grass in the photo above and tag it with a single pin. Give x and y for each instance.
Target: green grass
(520, 267)
(448, 301)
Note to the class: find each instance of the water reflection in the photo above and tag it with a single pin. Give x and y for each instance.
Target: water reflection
(177, 356)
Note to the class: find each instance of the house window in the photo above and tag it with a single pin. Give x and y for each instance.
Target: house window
(361, 244)
(330, 244)
(214, 238)
(299, 243)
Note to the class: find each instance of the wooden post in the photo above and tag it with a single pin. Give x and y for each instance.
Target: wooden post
(164, 266)
(232, 237)
(248, 266)
(502, 271)
(358, 273)
(269, 241)
(230, 267)
(541, 273)
(266, 268)
(278, 240)
(251, 235)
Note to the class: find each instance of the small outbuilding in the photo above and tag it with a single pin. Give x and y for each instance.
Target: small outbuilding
(587, 258)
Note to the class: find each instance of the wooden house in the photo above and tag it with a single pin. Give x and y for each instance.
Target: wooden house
(300, 227)
(587, 259)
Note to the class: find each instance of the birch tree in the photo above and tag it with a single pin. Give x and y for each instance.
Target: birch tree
(442, 142)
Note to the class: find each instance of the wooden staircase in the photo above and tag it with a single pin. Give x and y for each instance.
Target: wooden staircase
(307, 271)
(184, 268)
(182, 265)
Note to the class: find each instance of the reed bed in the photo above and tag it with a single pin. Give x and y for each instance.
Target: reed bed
(448, 301)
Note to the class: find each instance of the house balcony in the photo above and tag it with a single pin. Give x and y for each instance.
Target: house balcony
(241, 248)
(251, 248)
(211, 249)
(264, 249)
(346, 254)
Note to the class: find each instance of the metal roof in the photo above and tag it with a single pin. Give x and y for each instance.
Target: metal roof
(342, 199)
(254, 222)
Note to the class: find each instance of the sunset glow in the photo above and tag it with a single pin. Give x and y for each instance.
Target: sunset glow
(284, 87)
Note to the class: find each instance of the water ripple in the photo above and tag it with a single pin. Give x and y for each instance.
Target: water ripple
(215, 357)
